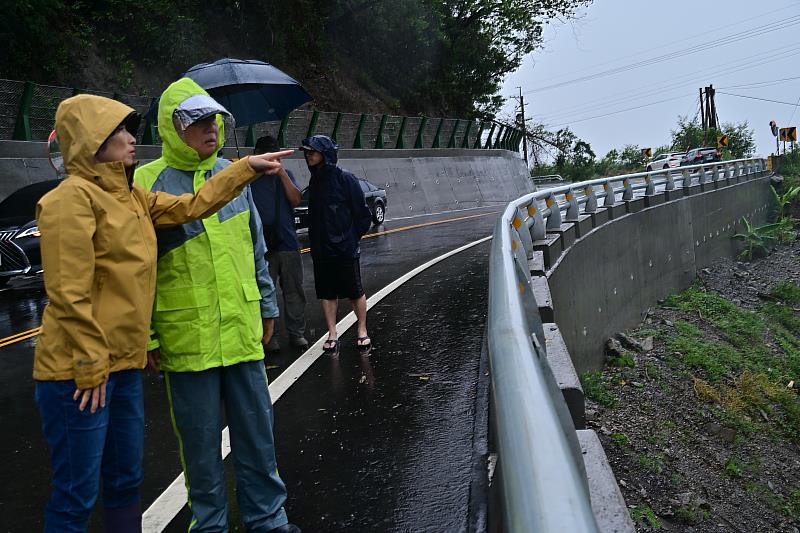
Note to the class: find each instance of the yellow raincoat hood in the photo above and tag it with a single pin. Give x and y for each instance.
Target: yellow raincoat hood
(83, 123)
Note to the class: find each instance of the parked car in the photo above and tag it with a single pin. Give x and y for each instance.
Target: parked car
(696, 156)
(665, 161)
(19, 234)
(376, 201)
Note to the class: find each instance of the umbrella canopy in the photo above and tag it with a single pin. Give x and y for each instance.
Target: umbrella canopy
(253, 91)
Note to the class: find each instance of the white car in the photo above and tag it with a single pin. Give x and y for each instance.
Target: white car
(665, 160)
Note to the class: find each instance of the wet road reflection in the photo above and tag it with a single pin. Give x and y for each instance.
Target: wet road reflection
(353, 382)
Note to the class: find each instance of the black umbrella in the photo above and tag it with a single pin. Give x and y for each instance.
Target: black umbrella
(253, 91)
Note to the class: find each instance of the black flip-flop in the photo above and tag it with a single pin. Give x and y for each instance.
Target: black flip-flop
(364, 349)
(333, 349)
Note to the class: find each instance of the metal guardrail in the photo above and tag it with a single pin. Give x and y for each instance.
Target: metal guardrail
(540, 468)
(27, 112)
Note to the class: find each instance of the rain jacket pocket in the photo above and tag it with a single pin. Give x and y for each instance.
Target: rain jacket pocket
(178, 317)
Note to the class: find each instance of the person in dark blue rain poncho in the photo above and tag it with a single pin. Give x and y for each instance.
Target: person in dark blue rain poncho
(338, 217)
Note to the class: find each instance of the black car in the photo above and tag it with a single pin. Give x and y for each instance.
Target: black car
(376, 201)
(697, 156)
(19, 234)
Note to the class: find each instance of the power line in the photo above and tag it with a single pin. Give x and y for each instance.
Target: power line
(761, 84)
(762, 58)
(756, 98)
(754, 32)
(703, 34)
(622, 110)
(793, 111)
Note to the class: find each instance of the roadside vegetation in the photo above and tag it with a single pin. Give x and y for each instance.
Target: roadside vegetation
(698, 408)
(575, 160)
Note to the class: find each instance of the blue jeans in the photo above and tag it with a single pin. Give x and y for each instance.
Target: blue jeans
(84, 446)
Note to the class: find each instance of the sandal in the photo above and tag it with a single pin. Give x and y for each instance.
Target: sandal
(331, 347)
(365, 348)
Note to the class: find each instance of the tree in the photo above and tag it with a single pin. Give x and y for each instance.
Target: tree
(632, 156)
(690, 134)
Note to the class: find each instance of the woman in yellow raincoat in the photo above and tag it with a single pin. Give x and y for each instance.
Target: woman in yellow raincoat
(99, 256)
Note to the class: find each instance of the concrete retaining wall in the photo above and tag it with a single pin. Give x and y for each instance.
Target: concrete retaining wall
(416, 181)
(604, 282)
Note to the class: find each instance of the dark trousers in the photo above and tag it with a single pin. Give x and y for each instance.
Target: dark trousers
(196, 400)
(287, 268)
(85, 446)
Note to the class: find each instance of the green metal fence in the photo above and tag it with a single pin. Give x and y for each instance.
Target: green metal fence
(27, 112)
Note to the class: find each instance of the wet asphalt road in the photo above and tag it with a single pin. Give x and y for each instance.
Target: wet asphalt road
(364, 444)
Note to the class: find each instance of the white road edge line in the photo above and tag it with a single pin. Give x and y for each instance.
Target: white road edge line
(167, 506)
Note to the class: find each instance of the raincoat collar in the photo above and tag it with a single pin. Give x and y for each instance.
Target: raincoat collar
(83, 123)
(175, 152)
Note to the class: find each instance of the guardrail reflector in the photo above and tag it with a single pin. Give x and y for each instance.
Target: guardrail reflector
(517, 222)
(521, 287)
(549, 202)
(531, 210)
(514, 245)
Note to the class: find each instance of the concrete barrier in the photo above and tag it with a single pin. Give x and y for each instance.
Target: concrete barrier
(605, 282)
(416, 181)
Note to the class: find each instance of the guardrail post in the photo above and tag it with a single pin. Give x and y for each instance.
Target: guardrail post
(611, 195)
(650, 190)
(520, 224)
(478, 137)
(591, 200)
(702, 179)
(420, 142)
(379, 136)
(670, 182)
(488, 143)
(22, 127)
(554, 218)
(401, 143)
(357, 142)
(628, 194)
(537, 229)
(715, 173)
(250, 137)
(452, 142)
(573, 211)
(282, 132)
(499, 136)
(149, 135)
(465, 141)
(437, 137)
(336, 125)
(312, 126)
(687, 178)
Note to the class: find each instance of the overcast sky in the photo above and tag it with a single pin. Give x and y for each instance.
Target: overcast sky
(742, 47)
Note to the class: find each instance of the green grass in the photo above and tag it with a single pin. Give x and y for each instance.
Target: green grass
(787, 291)
(596, 388)
(734, 468)
(643, 513)
(620, 438)
(740, 372)
(652, 461)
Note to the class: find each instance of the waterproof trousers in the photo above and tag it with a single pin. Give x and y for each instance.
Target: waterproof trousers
(287, 268)
(197, 400)
(86, 446)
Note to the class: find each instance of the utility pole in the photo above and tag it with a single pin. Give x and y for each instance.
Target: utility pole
(702, 111)
(521, 118)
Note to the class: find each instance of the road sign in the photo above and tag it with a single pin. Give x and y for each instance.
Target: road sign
(789, 134)
(774, 127)
(647, 152)
(722, 141)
